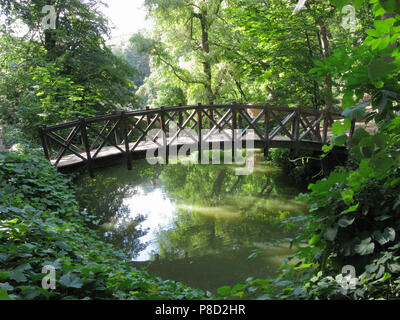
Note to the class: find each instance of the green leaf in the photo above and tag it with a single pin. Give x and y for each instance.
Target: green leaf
(348, 99)
(327, 148)
(392, 6)
(224, 291)
(358, 4)
(264, 297)
(373, 33)
(303, 266)
(330, 233)
(315, 238)
(30, 293)
(378, 69)
(347, 196)
(382, 26)
(4, 295)
(4, 275)
(63, 245)
(386, 276)
(71, 281)
(365, 247)
(338, 128)
(314, 70)
(319, 63)
(384, 237)
(238, 287)
(6, 286)
(394, 267)
(351, 209)
(357, 112)
(18, 276)
(345, 221)
(339, 140)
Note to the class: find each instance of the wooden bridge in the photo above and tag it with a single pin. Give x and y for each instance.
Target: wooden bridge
(104, 140)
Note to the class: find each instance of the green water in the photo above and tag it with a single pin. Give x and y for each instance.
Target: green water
(197, 224)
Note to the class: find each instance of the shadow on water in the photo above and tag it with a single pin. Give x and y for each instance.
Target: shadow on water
(197, 224)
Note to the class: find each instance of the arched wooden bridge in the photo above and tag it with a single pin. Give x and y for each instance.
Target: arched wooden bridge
(103, 140)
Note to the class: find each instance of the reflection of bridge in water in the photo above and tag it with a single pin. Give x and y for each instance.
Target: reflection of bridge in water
(104, 140)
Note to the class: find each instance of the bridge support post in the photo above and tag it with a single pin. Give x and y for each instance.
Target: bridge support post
(295, 130)
(85, 142)
(180, 116)
(116, 133)
(199, 136)
(267, 116)
(125, 133)
(164, 134)
(44, 141)
(240, 119)
(234, 110)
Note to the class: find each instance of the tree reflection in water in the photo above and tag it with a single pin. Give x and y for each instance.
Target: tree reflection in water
(213, 210)
(218, 211)
(104, 198)
(198, 223)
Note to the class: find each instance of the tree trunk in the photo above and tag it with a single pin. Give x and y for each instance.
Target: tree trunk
(324, 41)
(206, 50)
(315, 84)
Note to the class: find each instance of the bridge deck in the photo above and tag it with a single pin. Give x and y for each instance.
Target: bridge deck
(219, 141)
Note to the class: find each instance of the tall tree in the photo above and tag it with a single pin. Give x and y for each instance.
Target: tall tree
(278, 48)
(72, 52)
(186, 40)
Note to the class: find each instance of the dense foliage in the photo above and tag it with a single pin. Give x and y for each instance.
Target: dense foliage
(53, 75)
(353, 218)
(41, 225)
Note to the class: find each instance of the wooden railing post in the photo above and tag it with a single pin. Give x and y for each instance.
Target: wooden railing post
(267, 116)
(166, 123)
(125, 133)
(148, 117)
(85, 142)
(234, 127)
(44, 140)
(240, 119)
(116, 134)
(180, 116)
(296, 129)
(199, 135)
(292, 131)
(164, 134)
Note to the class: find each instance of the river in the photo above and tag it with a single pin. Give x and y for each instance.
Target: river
(202, 225)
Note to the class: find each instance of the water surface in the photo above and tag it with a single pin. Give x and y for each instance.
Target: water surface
(195, 223)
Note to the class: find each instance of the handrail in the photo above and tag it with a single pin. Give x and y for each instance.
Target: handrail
(125, 131)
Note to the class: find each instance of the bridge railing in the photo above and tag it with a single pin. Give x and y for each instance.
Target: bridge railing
(87, 139)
